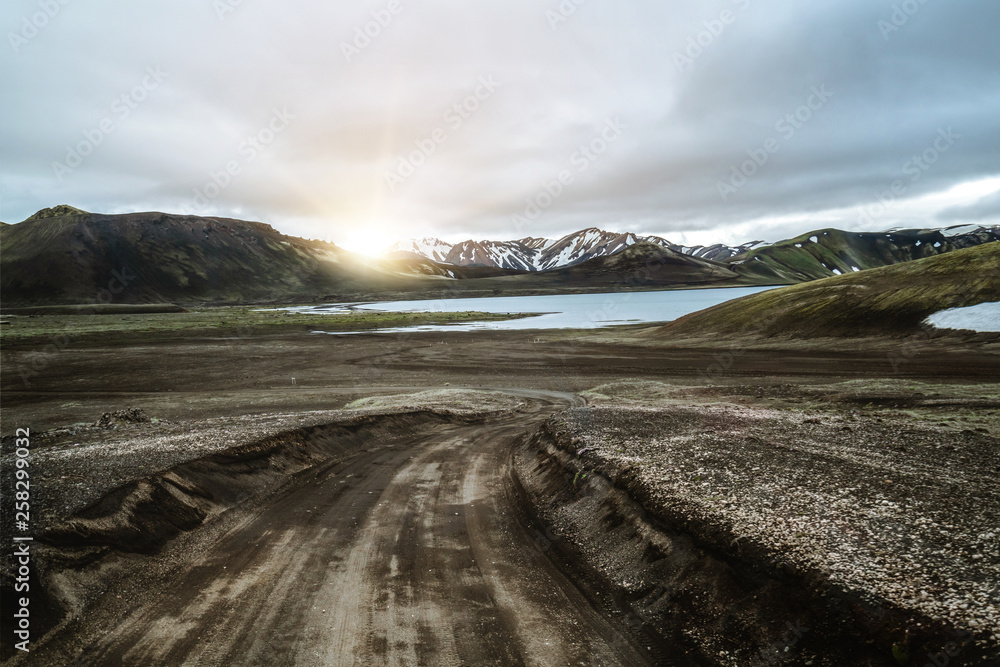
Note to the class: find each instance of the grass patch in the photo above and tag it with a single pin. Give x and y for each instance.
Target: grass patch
(224, 321)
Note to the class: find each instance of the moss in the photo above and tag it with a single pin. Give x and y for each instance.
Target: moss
(888, 300)
(236, 320)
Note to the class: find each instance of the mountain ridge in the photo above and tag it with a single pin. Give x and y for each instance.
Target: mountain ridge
(828, 249)
(65, 256)
(542, 254)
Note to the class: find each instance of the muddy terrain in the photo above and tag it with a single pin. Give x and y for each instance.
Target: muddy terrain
(507, 498)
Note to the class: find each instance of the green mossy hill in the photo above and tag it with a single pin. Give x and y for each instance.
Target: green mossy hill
(892, 300)
(827, 252)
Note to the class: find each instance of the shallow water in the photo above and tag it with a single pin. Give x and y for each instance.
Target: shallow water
(982, 317)
(564, 311)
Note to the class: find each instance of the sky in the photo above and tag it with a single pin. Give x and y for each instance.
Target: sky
(368, 122)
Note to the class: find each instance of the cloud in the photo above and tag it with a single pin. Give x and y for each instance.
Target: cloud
(983, 211)
(694, 114)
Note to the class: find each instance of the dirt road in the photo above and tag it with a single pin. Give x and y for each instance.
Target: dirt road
(413, 551)
(410, 553)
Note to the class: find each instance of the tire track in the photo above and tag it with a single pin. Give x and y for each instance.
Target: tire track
(404, 555)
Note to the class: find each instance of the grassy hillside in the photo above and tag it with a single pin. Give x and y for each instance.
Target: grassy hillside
(828, 252)
(890, 300)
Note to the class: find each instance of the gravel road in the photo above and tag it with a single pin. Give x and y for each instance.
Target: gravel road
(407, 553)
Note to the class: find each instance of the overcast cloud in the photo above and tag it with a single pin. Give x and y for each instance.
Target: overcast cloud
(165, 97)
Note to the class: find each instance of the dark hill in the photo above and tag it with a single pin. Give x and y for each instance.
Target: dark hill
(70, 256)
(639, 265)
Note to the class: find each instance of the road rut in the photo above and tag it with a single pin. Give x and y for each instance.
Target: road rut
(410, 553)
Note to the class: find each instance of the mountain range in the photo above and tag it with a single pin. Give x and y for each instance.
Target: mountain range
(540, 254)
(64, 256)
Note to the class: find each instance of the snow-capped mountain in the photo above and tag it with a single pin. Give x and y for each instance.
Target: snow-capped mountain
(538, 254)
(587, 244)
(429, 248)
(520, 255)
(717, 251)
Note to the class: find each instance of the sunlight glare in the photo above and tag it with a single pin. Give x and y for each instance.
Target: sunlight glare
(369, 237)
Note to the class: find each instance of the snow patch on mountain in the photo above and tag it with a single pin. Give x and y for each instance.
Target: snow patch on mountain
(541, 254)
(429, 248)
(982, 317)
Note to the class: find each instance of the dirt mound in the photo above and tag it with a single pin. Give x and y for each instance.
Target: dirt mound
(688, 580)
(143, 515)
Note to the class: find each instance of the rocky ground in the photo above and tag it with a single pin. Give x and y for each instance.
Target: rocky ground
(904, 511)
(74, 466)
(807, 460)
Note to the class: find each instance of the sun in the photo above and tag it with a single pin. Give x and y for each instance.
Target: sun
(366, 238)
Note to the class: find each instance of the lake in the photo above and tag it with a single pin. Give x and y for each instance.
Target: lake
(562, 311)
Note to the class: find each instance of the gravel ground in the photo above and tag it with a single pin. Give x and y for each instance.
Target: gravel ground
(906, 513)
(73, 467)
